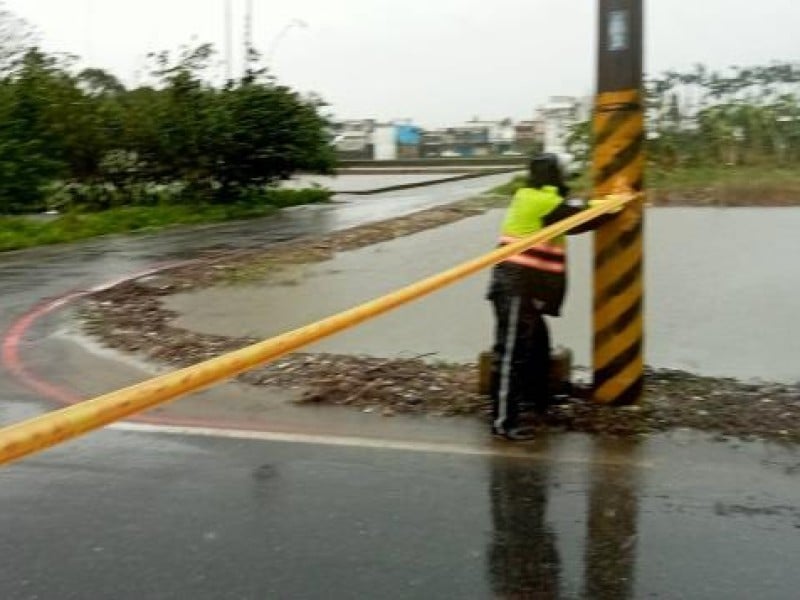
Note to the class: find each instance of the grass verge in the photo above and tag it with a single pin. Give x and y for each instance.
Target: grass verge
(25, 232)
(689, 178)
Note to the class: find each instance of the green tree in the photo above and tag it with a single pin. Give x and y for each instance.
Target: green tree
(741, 116)
(269, 133)
(15, 37)
(30, 150)
(109, 145)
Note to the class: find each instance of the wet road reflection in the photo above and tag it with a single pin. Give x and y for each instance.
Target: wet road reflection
(611, 531)
(523, 556)
(523, 559)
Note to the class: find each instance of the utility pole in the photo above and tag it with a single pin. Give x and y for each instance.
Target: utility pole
(278, 38)
(618, 166)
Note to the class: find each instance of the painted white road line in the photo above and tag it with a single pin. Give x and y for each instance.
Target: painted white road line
(527, 451)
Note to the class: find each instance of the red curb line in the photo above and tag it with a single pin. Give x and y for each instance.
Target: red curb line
(11, 357)
(12, 360)
(10, 352)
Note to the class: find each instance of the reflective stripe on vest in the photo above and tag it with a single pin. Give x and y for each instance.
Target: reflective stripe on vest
(545, 256)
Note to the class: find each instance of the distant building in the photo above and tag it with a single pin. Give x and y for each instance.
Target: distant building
(473, 139)
(409, 139)
(384, 142)
(369, 139)
(433, 143)
(559, 115)
(529, 136)
(469, 140)
(353, 139)
(399, 139)
(500, 134)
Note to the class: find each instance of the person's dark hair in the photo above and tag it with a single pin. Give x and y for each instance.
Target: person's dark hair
(544, 169)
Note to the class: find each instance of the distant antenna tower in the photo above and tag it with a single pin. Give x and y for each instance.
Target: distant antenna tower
(248, 37)
(228, 40)
(89, 58)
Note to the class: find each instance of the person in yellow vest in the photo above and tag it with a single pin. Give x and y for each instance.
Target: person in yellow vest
(525, 288)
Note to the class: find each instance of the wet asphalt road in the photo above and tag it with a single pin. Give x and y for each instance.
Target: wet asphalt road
(132, 516)
(142, 515)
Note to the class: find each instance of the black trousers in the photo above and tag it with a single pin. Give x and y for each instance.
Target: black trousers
(521, 361)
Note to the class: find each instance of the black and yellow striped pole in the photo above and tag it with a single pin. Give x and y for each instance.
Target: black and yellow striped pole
(618, 166)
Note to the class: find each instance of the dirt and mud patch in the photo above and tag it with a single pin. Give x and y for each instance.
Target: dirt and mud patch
(131, 317)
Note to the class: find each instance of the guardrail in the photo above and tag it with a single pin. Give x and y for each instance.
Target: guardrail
(39, 433)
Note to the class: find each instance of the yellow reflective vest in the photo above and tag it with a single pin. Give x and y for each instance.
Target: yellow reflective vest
(525, 217)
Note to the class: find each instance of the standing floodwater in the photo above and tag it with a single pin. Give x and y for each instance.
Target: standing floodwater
(722, 289)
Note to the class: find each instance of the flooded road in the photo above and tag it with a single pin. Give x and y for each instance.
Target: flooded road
(717, 303)
(358, 183)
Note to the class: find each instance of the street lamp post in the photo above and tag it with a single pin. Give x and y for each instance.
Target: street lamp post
(279, 38)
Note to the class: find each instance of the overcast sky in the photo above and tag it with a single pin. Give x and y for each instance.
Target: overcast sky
(436, 61)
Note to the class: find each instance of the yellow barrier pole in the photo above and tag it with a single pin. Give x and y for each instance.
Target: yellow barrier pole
(33, 435)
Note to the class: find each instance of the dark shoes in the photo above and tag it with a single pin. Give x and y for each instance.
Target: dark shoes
(515, 434)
